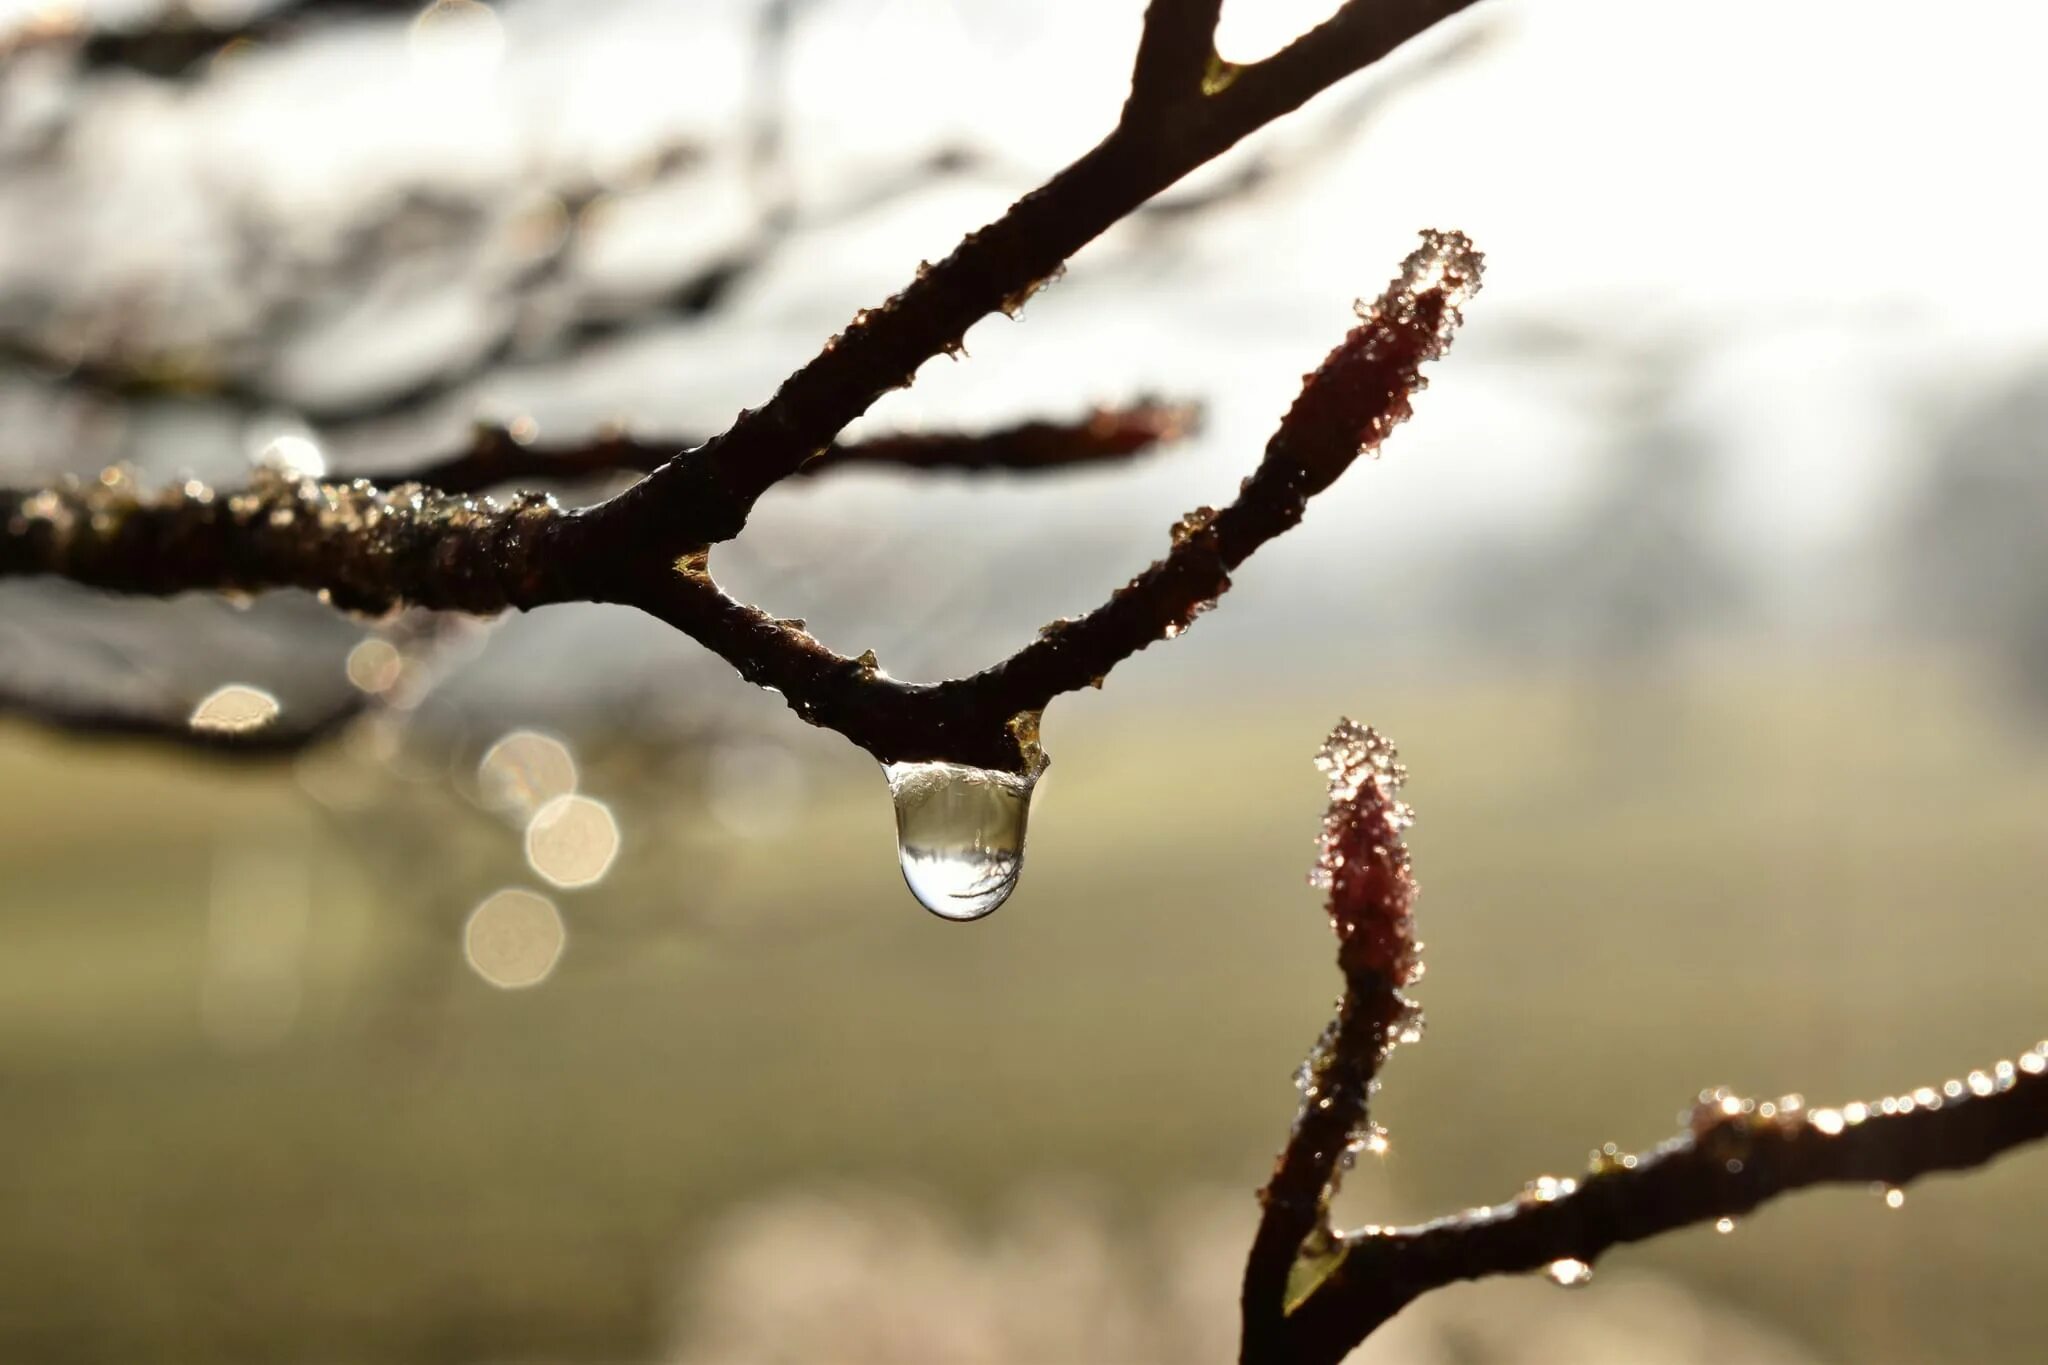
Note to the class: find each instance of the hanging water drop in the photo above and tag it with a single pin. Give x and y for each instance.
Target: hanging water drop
(960, 834)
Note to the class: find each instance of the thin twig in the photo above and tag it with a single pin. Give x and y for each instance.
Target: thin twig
(498, 454)
(1736, 1155)
(1176, 54)
(1364, 864)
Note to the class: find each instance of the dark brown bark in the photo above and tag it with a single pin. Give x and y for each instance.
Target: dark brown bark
(370, 549)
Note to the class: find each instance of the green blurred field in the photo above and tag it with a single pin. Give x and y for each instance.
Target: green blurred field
(1777, 879)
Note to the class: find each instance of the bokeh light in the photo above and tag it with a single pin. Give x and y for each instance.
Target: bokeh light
(572, 841)
(514, 938)
(375, 665)
(524, 771)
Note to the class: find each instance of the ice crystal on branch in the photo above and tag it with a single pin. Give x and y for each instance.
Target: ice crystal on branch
(1362, 390)
(1363, 862)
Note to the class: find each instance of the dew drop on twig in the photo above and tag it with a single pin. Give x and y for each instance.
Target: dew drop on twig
(959, 834)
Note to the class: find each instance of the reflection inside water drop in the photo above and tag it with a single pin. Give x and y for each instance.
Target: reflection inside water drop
(959, 834)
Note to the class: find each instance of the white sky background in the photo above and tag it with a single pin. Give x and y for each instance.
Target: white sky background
(1835, 202)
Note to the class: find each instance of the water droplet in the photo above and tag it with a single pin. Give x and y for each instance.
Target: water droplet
(1894, 1198)
(375, 666)
(1569, 1272)
(1724, 1226)
(524, 771)
(960, 834)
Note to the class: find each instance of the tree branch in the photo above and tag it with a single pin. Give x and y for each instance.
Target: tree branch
(1311, 1295)
(1176, 52)
(372, 549)
(369, 549)
(704, 497)
(498, 454)
(360, 547)
(1736, 1155)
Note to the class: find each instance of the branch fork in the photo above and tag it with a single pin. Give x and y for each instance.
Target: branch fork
(430, 542)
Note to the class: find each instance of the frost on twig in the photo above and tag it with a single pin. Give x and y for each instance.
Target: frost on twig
(1363, 865)
(1311, 1294)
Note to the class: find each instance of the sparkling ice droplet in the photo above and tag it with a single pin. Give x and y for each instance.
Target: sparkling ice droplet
(959, 834)
(1569, 1272)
